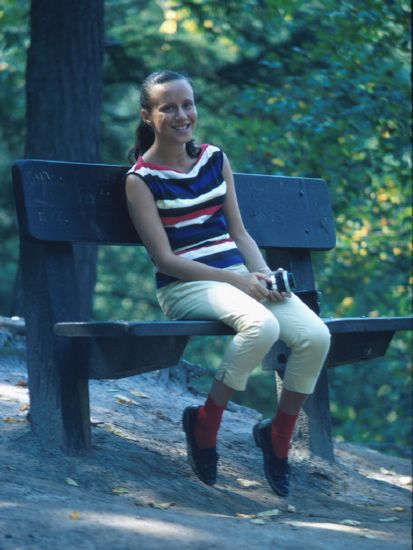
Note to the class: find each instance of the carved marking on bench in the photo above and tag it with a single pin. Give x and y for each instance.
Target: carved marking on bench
(41, 176)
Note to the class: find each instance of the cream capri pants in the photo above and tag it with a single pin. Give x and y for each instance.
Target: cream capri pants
(258, 326)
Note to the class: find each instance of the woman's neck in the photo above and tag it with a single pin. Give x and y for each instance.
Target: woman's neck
(173, 157)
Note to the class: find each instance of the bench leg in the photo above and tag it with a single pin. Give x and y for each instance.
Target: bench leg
(59, 400)
(317, 411)
(75, 409)
(313, 431)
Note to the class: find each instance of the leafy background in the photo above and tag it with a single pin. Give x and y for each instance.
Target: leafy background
(299, 88)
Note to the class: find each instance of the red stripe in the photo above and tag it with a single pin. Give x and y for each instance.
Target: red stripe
(170, 220)
(214, 243)
(141, 163)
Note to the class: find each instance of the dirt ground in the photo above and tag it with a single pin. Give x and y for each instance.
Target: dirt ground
(135, 489)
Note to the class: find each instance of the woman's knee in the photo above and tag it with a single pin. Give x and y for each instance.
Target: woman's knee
(266, 329)
(313, 338)
(321, 337)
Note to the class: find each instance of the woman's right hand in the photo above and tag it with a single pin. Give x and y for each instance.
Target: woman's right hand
(253, 284)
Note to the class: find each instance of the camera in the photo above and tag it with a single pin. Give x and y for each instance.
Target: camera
(282, 281)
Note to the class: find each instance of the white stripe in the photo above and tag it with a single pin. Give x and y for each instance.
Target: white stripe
(182, 203)
(208, 250)
(219, 238)
(192, 221)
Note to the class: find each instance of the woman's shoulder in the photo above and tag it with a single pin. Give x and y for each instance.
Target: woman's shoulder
(211, 148)
(211, 152)
(135, 168)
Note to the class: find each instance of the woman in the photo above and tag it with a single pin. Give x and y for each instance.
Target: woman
(182, 201)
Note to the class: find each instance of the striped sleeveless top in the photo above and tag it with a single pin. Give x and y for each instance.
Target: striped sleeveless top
(190, 208)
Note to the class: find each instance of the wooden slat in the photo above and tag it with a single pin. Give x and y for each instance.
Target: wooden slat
(121, 329)
(368, 324)
(285, 212)
(85, 203)
(351, 325)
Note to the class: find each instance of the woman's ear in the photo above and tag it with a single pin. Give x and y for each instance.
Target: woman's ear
(145, 117)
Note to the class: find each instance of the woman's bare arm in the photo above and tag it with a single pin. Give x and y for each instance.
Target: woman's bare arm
(245, 243)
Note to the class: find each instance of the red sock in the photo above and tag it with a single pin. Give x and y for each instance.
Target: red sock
(207, 425)
(282, 428)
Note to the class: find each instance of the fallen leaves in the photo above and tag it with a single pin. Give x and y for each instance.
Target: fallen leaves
(248, 483)
(405, 480)
(137, 393)
(122, 400)
(14, 419)
(258, 521)
(6, 398)
(120, 432)
(261, 518)
(10, 419)
(398, 509)
(387, 472)
(71, 482)
(120, 490)
(162, 505)
(269, 513)
(352, 522)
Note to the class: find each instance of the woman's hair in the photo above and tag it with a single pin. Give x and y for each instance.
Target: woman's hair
(144, 135)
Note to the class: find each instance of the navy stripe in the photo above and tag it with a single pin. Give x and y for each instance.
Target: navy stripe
(195, 233)
(222, 259)
(192, 208)
(181, 189)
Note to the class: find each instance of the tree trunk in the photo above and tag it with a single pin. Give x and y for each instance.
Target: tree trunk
(64, 78)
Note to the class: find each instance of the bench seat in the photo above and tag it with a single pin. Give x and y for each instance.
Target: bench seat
(104, 329)
(113, 349)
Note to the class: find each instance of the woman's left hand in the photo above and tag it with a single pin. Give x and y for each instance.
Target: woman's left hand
(275, 295)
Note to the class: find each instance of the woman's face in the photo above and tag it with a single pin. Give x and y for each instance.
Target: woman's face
(173, 115)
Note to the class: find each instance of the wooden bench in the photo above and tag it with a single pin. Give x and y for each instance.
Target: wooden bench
(60, 203)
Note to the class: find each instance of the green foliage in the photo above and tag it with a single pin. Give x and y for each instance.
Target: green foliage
(377, 400)
(125, 286)
(13, 45)
(319, 89)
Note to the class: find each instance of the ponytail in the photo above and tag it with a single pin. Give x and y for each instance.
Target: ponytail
(193, 149)
(144, 138)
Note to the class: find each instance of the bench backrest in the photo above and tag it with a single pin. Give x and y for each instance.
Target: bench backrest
(85, 203)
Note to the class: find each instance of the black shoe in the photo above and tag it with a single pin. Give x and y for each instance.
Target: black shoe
(203, 461)
(277, 470)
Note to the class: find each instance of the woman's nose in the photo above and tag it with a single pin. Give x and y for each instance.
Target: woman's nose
(180, 113)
